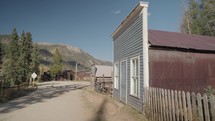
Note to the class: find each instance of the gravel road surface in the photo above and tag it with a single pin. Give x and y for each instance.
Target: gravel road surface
(53, 101)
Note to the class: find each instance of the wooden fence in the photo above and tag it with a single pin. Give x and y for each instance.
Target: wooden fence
(169, 105)
(104, 84)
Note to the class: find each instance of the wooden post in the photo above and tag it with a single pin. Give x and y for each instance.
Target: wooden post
(189, 107)
(33, 82)
(200, 112)
(212, 102)
(206, 109)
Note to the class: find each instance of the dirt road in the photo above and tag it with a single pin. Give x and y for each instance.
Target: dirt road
(67, 101)
(58, 102)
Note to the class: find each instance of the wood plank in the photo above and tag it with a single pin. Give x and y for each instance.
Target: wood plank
(212, 106)
(200, 112)
(146, 101)
(161, 105)
(173, 105)
(184, 106)
(170, 105)
(156, 105)
(176, 106)
(153, 105)
(155, 102)
(164, 105)
(180, 106)
(206, 109)
(194, 109)
(189, 110)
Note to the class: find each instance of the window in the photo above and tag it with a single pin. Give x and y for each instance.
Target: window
(116, 76)
(134, 76)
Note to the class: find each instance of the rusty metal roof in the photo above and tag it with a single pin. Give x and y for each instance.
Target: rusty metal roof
(181, 40)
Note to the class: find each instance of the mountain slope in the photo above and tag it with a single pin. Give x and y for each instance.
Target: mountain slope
(71, 56)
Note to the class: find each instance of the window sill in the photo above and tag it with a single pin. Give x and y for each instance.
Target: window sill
(116, 88)
(135, 96)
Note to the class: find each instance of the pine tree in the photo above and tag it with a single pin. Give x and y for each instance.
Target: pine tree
(199, 18)
(1, 62)
(56, 67)
(208, 16)
(29, 49)
(22, 61)
(10, 66)
(1, 57)
(34, 66)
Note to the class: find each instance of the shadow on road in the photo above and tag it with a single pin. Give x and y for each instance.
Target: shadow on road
(38, 96)
(99, 116)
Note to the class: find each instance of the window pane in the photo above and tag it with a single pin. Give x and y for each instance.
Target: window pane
(116, 75)
(135, 86)
(136, 74)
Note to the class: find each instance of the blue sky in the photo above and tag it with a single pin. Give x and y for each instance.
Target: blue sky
(87, 24)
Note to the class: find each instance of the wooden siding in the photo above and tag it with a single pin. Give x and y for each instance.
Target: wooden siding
(127, 45)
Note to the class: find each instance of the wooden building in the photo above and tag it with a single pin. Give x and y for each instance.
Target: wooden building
(83, 75)
(67, 75)
(171, 60)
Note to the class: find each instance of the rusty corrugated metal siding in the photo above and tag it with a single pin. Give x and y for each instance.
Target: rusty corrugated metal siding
(181, 70)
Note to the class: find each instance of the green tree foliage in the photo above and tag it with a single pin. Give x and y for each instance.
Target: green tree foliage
(1, 62)
(10, 65)
(199, 18)
(34, 66)
(1, 56)
(21, 60)
(29, 50)
(56, 67)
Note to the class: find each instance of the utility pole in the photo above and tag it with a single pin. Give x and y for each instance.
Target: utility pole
(76, 68)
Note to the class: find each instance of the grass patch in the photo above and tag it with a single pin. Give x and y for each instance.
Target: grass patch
(16, 94)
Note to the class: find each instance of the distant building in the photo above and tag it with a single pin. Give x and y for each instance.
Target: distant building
(104, 70)
(83, 76)
(67, 75)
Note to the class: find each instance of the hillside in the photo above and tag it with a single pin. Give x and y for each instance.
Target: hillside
(71, 55)
(4, 38)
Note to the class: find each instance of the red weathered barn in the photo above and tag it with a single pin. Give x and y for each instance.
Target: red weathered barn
(181, 61)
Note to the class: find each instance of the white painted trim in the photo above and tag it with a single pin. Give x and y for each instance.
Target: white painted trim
(126, 82)
(145, 46)
(138, 93)
(125, 79)
(144, 4)
(135, 12)
(138, 86)
(113, 67)
(117, 63)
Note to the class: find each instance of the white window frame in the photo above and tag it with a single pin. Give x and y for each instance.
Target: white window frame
(135, 76)
(116, 76)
